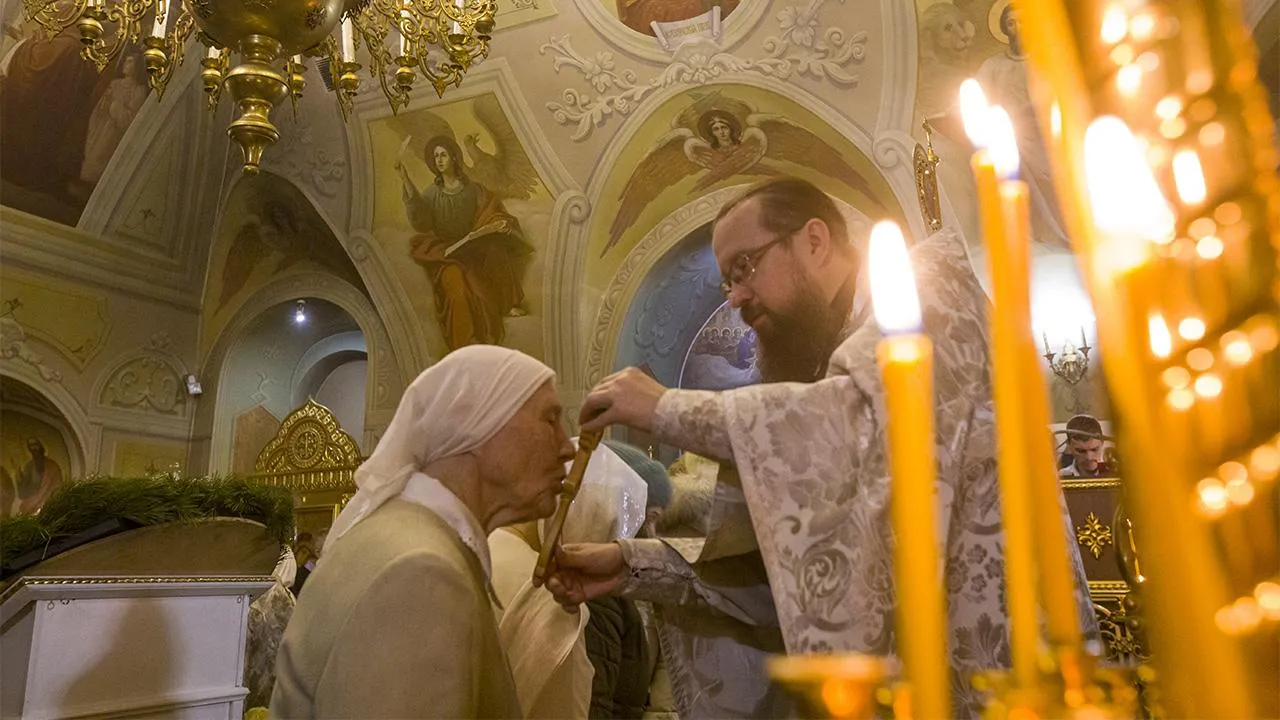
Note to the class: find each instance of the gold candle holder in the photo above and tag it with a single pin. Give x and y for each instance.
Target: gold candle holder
(1108, 693)
(1191, 319)
(845, 686)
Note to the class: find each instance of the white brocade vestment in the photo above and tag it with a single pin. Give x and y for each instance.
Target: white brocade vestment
(813, 476)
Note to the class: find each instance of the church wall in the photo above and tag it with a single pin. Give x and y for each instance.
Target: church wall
(114, 360)
(343, 391)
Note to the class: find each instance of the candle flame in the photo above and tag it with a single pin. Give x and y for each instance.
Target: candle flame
(1114, 24)
(1188, 176)
(1129, 79)
(893, 286)
(973, 111)
(1003, 143)
(1128, 207)
(1160, 338)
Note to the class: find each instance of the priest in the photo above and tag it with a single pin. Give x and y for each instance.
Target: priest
(812, 479)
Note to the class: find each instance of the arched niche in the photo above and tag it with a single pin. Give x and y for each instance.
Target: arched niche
(211, 437)
(39, 447)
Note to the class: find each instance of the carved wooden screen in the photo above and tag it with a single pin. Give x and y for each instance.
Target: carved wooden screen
(316, 459)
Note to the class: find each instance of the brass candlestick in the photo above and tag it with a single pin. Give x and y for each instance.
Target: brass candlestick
(848, 686)
(587, 443)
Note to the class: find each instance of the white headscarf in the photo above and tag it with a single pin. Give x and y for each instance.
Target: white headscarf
(453, 407)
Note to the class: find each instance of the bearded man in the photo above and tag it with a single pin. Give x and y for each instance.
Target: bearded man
(809, 504)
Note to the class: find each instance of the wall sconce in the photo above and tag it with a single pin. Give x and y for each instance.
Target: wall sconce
(1072, 363)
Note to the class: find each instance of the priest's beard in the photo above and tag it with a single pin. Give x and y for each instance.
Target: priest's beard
(800, 339)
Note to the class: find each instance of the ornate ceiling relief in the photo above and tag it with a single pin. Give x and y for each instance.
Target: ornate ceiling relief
(804, 47)
(148, 382)
(13, 346)
(513, 13)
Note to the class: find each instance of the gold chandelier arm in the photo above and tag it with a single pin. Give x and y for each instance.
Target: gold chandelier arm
(373, 25)
(127, 18)
(213, 74)
(466, 37)
(47, 15)
(164, 55)
(343, 89)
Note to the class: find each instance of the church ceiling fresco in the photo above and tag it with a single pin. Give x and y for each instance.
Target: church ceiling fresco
(716, 137)
(62, 119)
(269, 229)
(671, 17)
(463, 215)
(980, 39)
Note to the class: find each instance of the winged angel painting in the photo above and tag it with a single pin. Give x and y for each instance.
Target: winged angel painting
(473, 250)
(717, 138)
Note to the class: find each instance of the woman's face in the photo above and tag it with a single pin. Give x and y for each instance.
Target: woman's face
(442, 159)
(721, 131)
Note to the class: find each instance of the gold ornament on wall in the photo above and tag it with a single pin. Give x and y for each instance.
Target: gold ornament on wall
(441, 39)
(926, 162)
(1093, 535)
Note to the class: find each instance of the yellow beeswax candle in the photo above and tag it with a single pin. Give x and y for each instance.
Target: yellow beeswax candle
(1015, 496)
(905, 357)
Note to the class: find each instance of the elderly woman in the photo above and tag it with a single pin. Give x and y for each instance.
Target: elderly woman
(398, 621)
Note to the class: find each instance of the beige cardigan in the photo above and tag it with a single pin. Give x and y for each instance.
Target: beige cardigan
(396, 622)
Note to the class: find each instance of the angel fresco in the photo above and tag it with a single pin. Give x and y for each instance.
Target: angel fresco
(277, 234)
(718, 138)
(473, 250)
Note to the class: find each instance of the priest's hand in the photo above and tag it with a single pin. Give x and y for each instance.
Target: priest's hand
(585, 571)
(629, 398)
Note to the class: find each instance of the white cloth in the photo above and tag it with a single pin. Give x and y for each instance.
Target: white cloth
(545, 645)
(610, 503)
(433, 495)
(452, 408)
(286, 570)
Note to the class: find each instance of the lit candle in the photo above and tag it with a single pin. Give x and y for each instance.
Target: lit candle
(905, 357)
(1015, 495)
(162, 17)
(1057, 578)
(348, 40)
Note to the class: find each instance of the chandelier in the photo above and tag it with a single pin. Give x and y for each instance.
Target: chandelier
(441, 39)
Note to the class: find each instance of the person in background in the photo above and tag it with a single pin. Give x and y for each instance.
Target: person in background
(307, 556)
(399, 621)
(1086, 448)
(623, 635)
(269, 615)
